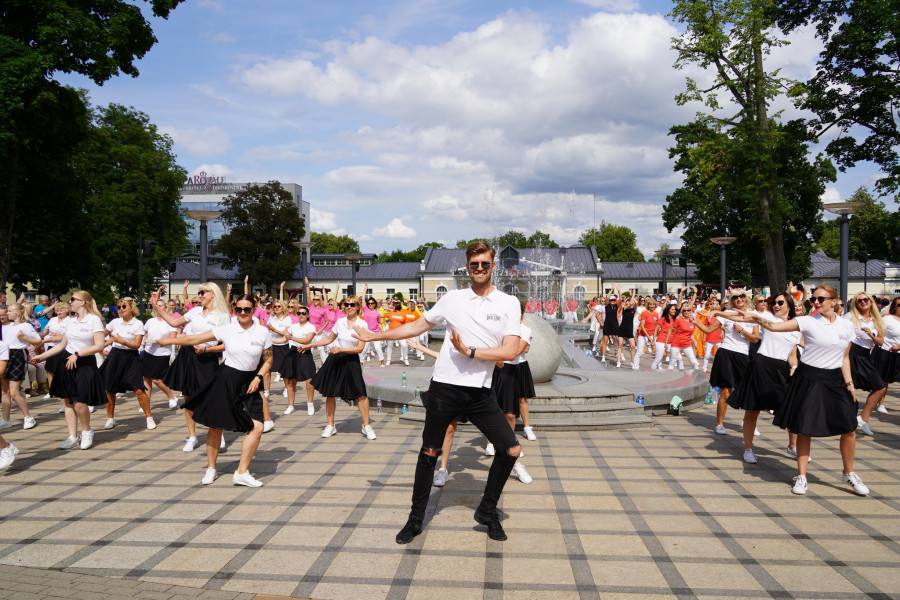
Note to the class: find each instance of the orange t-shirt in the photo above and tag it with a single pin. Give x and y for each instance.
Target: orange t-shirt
(681, 337)
(649, 319)
(396, 318)
(664, 327)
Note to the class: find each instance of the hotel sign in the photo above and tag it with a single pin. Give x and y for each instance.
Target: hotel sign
(209, 184)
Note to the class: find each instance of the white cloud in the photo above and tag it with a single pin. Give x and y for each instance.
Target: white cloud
(395, 230)
(324, 221)
(612, 5)
(831, 195)
(209, 141)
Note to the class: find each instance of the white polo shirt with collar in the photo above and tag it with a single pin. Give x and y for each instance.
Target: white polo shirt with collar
(243, 347)
(481, 323)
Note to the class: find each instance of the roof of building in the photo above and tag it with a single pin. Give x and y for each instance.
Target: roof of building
(824, 267)
(373, 272)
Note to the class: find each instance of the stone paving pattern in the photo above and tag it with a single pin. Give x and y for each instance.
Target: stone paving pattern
(664, 512)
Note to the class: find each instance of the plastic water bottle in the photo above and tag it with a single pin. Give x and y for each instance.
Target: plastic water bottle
(418, 395)
(716, 396)
(709, 395)
(588, 353)
(640, 398)
(403, 380)
(378, 404)
(403, 410)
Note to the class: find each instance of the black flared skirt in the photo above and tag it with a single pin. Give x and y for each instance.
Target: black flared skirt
(526, 381)
(887, 364)
(505, 385)
(223, 403)
(728, 369)
(817, 404)
(154, 367)
(340, 376)
(17, 365)
(862, 367)
(764, 385)
(121, 371)
(300, 366)
(191, 371)
(81, 384)
(280, 354)
(53, 364)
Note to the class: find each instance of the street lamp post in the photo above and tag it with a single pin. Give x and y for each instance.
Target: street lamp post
(203, 216)
(844, 209)
(722, 242)
(354, 267)
(663, 254)
(304, 248)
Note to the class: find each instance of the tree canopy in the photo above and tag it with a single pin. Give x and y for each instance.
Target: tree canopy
(516, 239)
(263, 225)
(328, 243)
(416, 255)
(615, 243)
(871, 228)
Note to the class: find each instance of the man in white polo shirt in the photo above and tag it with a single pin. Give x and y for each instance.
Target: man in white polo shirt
(482, 328)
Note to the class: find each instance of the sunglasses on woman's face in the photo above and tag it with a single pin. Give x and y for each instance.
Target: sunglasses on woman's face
(862, 300)
(779, 303)
(243, 309)
(349, 304)
(303, 312)
(740, 296)
(821, 299)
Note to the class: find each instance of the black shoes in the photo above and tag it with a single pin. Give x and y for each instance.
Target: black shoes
(492, 521)
(412, 528)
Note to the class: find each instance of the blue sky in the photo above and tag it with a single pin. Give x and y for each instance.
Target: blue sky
(412, 122)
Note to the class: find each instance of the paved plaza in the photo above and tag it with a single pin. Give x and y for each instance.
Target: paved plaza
(669, 511)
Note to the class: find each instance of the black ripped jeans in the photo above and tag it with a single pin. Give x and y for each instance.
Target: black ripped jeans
(445, 402)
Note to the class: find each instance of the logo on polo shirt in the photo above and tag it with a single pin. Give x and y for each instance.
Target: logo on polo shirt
(493, 317)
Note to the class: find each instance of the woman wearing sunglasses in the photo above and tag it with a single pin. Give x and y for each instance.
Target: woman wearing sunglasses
(768, 375)
(121, 371)
(18, 334)
(733, 356)
(155, 359)
(191, 370)
(281, 350)
(301, 366)
(341, 373)
(821, 398)
(372, 317)
(869, 328)
(230, 399)
(887, 358)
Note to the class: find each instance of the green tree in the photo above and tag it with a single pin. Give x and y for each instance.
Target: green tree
(539, 239)
(731, 39)
(328, 243)
(615, 243)
(263, 224)
(37, 41)
(412, 256)
(857, 79)
(512, 238)
(871, 228)
(463, 244)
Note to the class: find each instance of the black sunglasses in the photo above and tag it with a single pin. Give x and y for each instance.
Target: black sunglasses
(350, 304)
(123, 306)
(779, 302)
(821, 299)
(303, 312)
(485, 265)
(243, 309)
(201, 292)
(739, 296)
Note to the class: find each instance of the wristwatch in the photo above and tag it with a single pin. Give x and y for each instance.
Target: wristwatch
(471, 351)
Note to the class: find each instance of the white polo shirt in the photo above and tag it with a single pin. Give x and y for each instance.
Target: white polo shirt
(301, 331)
(480, 322)
(243, 347)
(825, 342)
(282, 324)
(80, 334)
(56, 327)
(201, 323)
(778, 344)
(862, 338)
(525, 334)
(127, 331)
(344, 332)
(891, 332)
(11, 335)
(4, 351)
(157, 329)
(733, 340)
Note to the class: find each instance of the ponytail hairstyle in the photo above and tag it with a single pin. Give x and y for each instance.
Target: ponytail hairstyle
(90, 305)
(219, 306)
(20, 310)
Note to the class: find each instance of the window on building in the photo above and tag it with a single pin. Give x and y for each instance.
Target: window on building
(413, 294)
(579, 291)
(511, 289)
(390, 292)
(440, 291)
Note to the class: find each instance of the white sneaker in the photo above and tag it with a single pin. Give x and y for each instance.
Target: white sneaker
(618, 364)
(749, 457)
(799, 485)
(289, 410)
(266, 393)
(190, 444)
(62, 410)
(792, 452)
(173, 403)
(858, 486)
(440, 480)
(4, 424)
(521, 473)
(284, 393)
(276, 378)
(110, 423)
(329, 431)
(245, 479)
(151, 424)
(91, 409)
(47, 397)
(7, 456)
(87, 439)
(720, 429)
(310, 408)
(489, 450)
(210, 476)
(28, 423)
(268, 426)
(529, 434)
(881, 409)
(368, 432)
(70, 443)
(864, 426)
(406, 362)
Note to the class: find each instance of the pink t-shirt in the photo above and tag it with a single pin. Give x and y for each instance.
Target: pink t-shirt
(261, 314)
(371, 317)
(333, 316)
(317, 316)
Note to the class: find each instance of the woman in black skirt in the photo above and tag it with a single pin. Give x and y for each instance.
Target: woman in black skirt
(869, 328)
(155, 359)
(121, 371)
(230, 400)
(79, 383)
(733, 356)
(766, 379)
(195, 366)
(16, 333)
(821, 398)
(341, 373)
(625, 334)
(887, 358)
(52, 334)
(299, 364)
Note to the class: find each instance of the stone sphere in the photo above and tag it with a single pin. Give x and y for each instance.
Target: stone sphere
(545, 352)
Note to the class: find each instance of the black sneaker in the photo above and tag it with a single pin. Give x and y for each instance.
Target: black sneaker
(412, 528)
(492, 521)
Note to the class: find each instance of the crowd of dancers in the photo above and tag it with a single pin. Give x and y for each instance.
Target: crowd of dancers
(804, 364)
